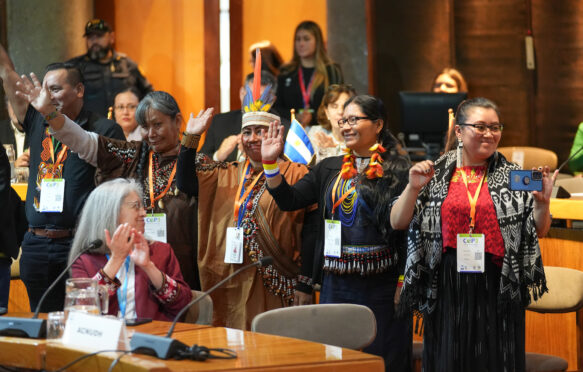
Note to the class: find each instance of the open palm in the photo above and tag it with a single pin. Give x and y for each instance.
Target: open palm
(272, 144)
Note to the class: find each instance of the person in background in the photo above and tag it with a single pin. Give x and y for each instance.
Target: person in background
(473, 311)
(124, 112)
(576, 163)
(12, 133)
(270, 58)
(326, 137)
(152, 162)
(303, 80)
(107, 72)
(449, 80)
(363, 261)
(223, 137)
(142, 277)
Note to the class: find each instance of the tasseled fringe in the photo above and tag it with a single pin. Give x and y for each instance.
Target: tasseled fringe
(363, 264)
(278, 284)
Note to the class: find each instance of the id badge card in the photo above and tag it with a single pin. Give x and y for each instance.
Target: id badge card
(52, 194)
(234, 248)
(470, 253)
(155, 228)
(332, 238)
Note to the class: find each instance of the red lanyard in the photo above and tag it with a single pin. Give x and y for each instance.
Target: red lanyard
(473, 200)
(151, 180)
(305, 93)
(59, 157)
(344, 196)
(240, 200)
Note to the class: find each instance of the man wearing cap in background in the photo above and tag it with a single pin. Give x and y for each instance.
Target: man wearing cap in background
(106, 72)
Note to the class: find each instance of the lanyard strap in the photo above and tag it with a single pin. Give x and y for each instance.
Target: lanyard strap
(344, 196)
(241, 197)
(59, 157)
(306, 93)
(122, 293)
(473, 200)
(151, 180)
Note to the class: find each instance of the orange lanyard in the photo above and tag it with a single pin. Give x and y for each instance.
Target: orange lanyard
(59, 157)
(151, 180)
(473, 200)
(344, 196)
(241, 199)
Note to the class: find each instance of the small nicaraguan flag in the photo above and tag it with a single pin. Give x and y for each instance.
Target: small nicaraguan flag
(298, 147)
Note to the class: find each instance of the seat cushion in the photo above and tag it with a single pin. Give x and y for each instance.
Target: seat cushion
(544, 363)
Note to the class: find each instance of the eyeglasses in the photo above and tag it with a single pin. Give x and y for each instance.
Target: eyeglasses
(135, 205)
(482, 128)
(351, 120)
(125, 107)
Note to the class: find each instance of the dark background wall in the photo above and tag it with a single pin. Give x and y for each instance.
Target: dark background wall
(485, 40)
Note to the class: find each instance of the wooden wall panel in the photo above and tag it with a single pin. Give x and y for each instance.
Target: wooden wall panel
(489, 39)
(558, 35)
(412, 43)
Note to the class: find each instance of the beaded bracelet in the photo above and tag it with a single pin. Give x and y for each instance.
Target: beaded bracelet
(190, 140)
(51, 115)
(271, 168)
(400, 281)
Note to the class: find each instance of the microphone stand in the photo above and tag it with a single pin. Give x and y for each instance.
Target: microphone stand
(166, 347)
(34, 327)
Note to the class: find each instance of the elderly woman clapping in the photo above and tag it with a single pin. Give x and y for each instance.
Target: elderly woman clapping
(143, 277)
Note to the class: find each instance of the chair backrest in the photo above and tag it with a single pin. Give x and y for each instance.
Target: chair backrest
(565, 291)
(528, 157)
(202, 312)
(345, 325)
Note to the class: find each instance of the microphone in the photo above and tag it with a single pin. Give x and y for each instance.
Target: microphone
(34, 327)
(166, 347)
(559, 192)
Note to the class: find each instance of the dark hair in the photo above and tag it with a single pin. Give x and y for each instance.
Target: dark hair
(332, 94)
(270, 58)
(267, 78)
(131, 90)
(159, 101)
(74, 74)
(378, 193)
(462, 114)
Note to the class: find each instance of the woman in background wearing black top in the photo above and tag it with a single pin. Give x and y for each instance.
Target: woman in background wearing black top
(303, 80)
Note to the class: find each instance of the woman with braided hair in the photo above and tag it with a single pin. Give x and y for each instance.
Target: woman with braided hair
(171, 215)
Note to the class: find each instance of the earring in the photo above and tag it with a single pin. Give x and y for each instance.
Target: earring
(460, 147)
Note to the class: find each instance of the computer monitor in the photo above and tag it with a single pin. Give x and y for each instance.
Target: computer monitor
(424, 119)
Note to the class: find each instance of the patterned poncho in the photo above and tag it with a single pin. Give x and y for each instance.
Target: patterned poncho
(522, 273)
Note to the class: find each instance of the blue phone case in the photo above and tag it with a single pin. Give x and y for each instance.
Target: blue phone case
(526, 180)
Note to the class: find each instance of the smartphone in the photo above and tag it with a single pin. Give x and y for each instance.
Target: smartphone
(137, 321)
(526, 180)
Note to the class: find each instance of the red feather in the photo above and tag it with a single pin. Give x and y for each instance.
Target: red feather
(257, 76)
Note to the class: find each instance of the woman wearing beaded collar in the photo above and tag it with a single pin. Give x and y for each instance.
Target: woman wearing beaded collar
(152, 162)
(362, 256)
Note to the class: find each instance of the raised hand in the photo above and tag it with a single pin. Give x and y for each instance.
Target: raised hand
(122, 241)
(323, 140)
(227, 146)
(141, 252)
(272, 144)
(200, 123)
(544, 196)
(420, 174)
(35, 93)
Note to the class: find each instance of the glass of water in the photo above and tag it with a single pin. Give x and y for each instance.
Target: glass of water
(55, 324)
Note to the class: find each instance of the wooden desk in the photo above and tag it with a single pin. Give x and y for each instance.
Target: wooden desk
(255, 352)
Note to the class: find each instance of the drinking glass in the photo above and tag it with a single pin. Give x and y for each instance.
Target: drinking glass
(55, 324)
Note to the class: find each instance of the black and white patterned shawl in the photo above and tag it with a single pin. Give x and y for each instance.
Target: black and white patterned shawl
(522, 270)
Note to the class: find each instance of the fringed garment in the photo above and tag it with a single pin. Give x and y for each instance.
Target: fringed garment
(473, 320)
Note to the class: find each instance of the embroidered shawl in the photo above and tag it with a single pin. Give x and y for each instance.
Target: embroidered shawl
(522, 273)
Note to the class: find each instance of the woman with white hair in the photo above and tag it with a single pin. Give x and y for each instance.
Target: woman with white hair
(143, 278)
